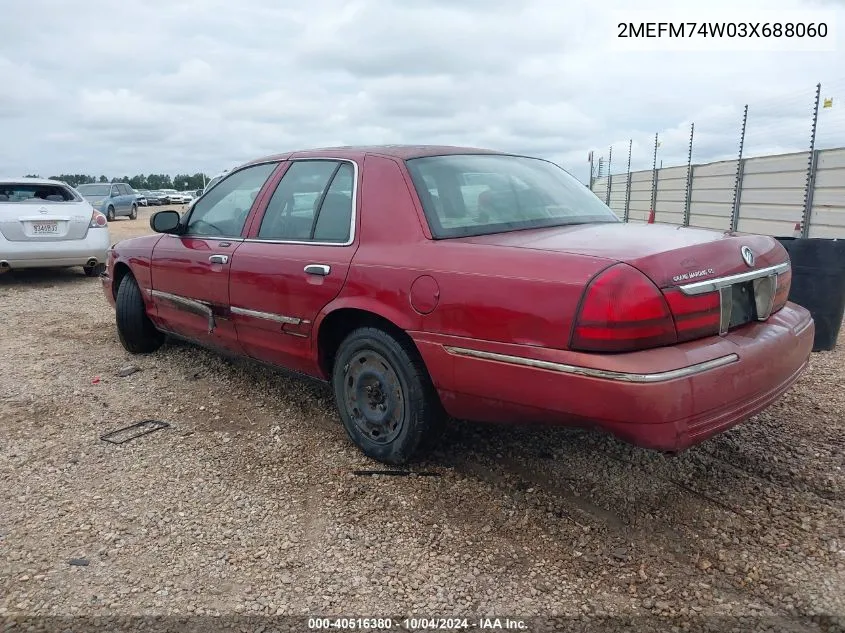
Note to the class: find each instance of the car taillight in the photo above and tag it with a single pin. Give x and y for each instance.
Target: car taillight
(696, 316)
(782, 290)
(622, 311)
(97, 220)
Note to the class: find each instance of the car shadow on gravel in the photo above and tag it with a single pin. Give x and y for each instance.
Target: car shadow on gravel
(44, 277)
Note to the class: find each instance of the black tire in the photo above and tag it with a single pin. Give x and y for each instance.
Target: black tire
(137, 333)
(133, 215)
(387, 402)
(110, 214)
(94, 271)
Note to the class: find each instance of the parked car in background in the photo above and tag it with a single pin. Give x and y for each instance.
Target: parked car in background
(45, 223)
(141, 197)
(423, 281)
(154, 198)
(171, 196)
(112, 199)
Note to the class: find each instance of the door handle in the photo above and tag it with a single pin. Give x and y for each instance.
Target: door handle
(318, 269)
(218, 259)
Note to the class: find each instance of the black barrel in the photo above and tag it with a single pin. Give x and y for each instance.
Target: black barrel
(818, 284)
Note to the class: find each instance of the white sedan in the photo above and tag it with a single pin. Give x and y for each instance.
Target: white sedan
(46, 223)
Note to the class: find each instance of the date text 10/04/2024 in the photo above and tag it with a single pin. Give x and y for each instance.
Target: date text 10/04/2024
(416, 624)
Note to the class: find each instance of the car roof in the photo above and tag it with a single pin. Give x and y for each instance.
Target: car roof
(23, 180)
(403, 152)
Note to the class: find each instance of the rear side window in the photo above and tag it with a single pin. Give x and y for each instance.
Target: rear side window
(26, 192)
(464, 195)
(312, 203)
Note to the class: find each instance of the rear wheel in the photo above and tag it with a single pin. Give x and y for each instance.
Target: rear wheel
(385, 396)
(137, 333)
(94, 271)
(110, 214)
(133, 214)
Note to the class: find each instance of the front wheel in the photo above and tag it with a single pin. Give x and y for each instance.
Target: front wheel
(110, 214)
(385, 396)
(133, 214)
(136, 332)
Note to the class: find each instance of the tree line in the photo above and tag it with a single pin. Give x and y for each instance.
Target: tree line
(180, 182)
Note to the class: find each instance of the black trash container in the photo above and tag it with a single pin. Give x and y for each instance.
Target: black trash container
(818, 284)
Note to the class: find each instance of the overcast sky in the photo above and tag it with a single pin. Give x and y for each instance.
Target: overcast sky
(140, 86)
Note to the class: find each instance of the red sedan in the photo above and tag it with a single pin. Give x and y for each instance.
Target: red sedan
(426, 282)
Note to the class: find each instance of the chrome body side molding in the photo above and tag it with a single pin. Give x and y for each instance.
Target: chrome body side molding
(672, 374)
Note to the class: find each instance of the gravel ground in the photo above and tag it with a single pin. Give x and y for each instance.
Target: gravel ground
(248, 503)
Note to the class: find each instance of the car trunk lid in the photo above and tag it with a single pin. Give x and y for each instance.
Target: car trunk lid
(670, 256)
(51, 221)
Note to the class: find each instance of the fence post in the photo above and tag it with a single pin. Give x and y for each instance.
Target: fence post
(740, 165)
(689, 176)
(651, 212)
(609, 177)
(808, 200)
(628, 186)
(811, 169)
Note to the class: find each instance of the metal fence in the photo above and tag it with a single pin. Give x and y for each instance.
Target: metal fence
(785, 177)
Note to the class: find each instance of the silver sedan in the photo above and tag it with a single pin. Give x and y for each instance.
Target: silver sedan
(46, 223)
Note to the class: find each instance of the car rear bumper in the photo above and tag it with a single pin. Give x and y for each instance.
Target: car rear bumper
(666, 399)
(56, 253)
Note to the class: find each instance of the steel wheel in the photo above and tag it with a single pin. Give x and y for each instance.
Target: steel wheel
(373, 397)
(110, 214)
(387, 402)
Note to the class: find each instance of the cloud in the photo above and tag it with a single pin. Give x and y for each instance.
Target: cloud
(152, 85)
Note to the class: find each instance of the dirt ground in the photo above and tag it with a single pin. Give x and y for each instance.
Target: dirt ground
(249, 504)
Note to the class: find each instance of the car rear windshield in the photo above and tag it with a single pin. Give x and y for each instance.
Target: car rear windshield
(25, 192)
(94, 190)
(477, 194)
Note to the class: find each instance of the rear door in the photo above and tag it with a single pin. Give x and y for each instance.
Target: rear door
(295, 261)
(26, 218)
(131, 197)
(190, 271)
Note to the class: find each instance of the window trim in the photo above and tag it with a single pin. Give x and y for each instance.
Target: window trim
(353, 222)
(247, 223)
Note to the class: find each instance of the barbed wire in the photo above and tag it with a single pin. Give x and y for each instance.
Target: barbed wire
(778, 123)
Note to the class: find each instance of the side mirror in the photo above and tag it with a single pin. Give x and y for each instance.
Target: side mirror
(165, 221)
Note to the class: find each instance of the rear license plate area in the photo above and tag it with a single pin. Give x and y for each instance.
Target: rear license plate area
(743, 306)
(45, 228)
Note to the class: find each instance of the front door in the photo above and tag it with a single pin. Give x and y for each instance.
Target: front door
(190, 271)
(295, 261)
